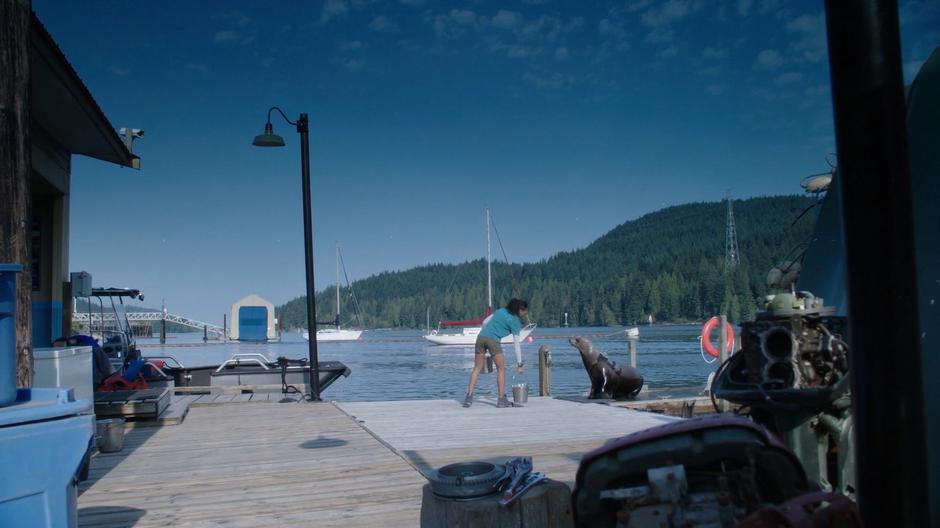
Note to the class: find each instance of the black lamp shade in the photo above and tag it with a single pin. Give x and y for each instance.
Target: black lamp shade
(269, 138)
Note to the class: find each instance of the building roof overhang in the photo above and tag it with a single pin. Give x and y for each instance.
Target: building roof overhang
(64, 107)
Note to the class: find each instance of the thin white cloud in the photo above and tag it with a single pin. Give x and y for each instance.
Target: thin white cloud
(554, 81)
(464, 17)
(714, 53)
(660, 35)
(770, 95)
(788, 78)
(636, 5)
(353, 64)
(236, 18)
(518, 51)
(119, 71)
(453, 24)
(333, 9)
(768, 6)
(380, 23)
(671, 51)
(716, 89)
(710, 71)
(810, 30)
(665, 13)
(817, 91)
(223, 37)
(507, 32)
(504, 19)
(609, 27)
(769, 59)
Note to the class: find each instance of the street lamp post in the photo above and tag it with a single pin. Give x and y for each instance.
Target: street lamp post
(270, 139)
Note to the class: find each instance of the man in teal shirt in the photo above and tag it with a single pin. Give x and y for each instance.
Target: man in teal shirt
(503, 322)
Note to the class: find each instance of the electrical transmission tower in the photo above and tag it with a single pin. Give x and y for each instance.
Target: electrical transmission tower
(731, 239)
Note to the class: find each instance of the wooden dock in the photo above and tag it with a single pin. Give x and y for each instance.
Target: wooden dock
(245, 463)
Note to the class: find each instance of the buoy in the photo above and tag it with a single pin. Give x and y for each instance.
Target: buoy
(710, 325)
(531, 339)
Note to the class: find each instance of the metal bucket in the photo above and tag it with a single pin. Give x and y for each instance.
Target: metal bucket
(520, 393)
(110, 435)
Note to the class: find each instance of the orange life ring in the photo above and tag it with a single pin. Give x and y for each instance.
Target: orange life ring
(710, 325)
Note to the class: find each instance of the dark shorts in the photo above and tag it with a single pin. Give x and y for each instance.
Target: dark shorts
(487, 344)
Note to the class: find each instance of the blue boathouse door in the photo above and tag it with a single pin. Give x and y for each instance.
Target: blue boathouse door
(253, 323)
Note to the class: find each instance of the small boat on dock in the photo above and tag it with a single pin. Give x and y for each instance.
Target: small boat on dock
(254, 372)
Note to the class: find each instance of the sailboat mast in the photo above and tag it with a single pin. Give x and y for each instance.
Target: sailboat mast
(489, 271)
(337, 286)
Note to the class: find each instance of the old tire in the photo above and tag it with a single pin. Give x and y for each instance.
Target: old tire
(466, 480)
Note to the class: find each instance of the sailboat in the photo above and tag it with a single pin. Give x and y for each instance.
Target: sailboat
(470, 328)
(336, 334)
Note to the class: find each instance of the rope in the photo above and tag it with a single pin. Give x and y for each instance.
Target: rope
(516, 289)
(348, 285)
(612, 334)
(701, 349)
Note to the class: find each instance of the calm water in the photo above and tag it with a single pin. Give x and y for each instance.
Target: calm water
(400, 364)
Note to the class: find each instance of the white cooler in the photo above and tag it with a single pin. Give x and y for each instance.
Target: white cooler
(66, 368)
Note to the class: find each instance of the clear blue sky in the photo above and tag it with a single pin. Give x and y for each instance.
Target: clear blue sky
(565, 118)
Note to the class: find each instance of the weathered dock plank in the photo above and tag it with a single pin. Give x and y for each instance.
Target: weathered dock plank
(344, 464)
(252, 465)
(555, 433)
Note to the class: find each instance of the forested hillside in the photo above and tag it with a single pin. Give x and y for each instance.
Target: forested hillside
(668, 264)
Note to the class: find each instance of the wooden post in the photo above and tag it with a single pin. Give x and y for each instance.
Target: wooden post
(722, 354)
(205, 333)
(545, 371)
(722, 339)
(163, 330)
(631, 342)
(546, 505)
(15, 169)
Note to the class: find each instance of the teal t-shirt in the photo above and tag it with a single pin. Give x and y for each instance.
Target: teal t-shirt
(501, 325)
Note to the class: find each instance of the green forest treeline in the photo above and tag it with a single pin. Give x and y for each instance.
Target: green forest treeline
(668, 264)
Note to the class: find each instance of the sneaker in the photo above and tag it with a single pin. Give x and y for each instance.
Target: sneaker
(503, 402)
(468, 401)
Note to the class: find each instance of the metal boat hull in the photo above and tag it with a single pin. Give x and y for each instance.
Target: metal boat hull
(255, 375)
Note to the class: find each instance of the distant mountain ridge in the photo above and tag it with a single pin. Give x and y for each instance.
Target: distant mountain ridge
(668, 264)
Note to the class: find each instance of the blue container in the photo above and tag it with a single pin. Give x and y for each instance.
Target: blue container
(44, 438)
(8, 332)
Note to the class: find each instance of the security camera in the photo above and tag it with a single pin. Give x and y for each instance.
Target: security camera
(134, 132)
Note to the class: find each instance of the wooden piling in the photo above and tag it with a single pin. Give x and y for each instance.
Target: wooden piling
(545, 371)
(722, 353)
(631, 343)
(15, 170)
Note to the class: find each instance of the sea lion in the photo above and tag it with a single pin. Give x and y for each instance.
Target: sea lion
(608, 380)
